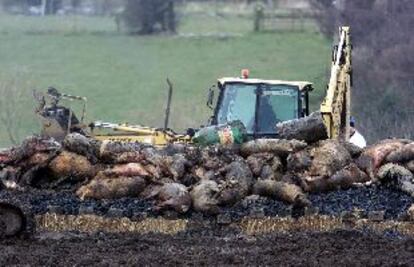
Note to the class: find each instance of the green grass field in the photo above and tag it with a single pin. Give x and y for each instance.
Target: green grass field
(124, 76)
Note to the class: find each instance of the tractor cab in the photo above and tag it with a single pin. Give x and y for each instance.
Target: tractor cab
(260, 104)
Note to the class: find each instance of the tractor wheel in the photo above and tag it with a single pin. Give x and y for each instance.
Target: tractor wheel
(12, 220)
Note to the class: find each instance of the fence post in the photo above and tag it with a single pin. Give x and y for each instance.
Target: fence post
(301, 21)
(258, 18)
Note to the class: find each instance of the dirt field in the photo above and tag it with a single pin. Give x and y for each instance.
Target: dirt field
(208, 248)
(212, 244)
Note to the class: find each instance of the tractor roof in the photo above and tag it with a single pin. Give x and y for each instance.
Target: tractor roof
(303, 85)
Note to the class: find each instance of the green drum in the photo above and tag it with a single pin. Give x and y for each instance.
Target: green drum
(225, 134)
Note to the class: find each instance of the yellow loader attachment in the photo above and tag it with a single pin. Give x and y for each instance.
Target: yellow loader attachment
(335, 108)
(136, 133)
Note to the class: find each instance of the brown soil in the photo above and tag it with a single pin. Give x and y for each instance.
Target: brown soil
(208, 247)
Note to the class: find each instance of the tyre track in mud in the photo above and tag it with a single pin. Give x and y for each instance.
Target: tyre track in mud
(338, 248)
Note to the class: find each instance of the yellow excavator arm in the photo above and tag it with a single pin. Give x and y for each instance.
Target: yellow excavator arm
(335, 108)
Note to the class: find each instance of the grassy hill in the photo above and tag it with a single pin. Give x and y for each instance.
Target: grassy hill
(124, 76)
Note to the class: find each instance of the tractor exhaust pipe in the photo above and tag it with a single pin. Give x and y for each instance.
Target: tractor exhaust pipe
(168, 108)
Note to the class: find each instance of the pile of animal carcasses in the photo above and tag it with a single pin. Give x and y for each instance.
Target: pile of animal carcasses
(182, 177)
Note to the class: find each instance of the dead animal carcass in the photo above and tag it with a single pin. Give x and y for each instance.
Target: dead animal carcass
(374, 156)
(68, 164)
(328, 157)
(286, 192)
(127, 170)
(265, 165)
(176, 166)
(397, 176)
(114, 152)
(402, 155)
(280, 147)
(173, 196)
(343, 179)
(237, 184)
(204, 197)
(29, 147)
(112, 188)
(82, 145)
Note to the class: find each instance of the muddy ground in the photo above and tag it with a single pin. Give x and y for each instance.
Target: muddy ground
(219, 245)
(342, 248)
(367, 199)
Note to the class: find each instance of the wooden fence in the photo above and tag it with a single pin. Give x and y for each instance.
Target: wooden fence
(289, 20)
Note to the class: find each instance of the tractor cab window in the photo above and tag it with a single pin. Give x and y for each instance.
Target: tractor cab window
(277, 103)
(238, 103)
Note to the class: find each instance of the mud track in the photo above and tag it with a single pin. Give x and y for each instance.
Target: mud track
(208, 248)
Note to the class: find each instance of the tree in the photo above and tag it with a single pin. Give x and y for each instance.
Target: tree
(51, 6)
(149, 16)
(75, 3)
(383, 65)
